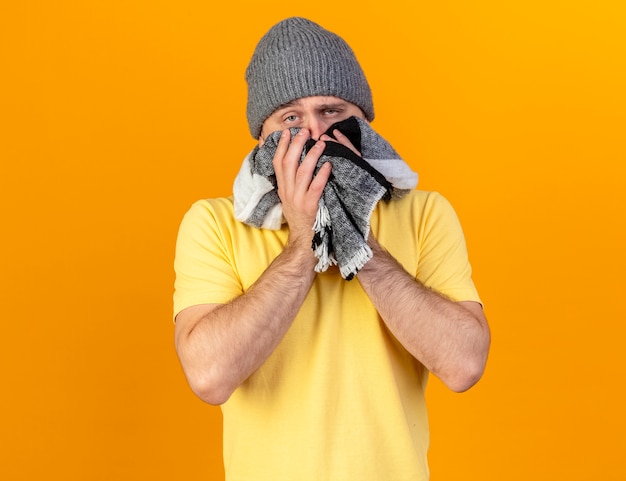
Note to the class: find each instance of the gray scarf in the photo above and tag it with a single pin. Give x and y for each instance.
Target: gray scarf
(354, 188)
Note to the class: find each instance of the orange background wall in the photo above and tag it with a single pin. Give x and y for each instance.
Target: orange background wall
(115, 116)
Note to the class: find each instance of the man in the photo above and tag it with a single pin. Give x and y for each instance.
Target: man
(320, 377)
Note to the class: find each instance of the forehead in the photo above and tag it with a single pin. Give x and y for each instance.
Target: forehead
(318, 101)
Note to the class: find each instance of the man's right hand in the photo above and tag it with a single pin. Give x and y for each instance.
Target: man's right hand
(299, 190)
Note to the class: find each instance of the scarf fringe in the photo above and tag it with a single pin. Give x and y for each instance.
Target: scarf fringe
(325, 258)
(320, 239)
(322, 218)
(356, 263)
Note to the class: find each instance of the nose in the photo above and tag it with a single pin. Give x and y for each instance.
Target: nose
(316, 126)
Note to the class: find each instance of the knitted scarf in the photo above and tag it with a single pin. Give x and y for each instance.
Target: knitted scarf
(354, 188)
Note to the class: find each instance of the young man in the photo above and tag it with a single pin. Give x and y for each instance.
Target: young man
(321, 377)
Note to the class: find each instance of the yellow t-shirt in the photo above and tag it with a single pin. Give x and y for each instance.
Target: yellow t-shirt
(339, 398)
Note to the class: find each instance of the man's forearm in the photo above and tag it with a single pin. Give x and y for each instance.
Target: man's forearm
(450, 338)
(220, 349)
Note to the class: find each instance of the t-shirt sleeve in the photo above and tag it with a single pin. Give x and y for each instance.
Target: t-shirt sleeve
(444, 264)
(203, 263)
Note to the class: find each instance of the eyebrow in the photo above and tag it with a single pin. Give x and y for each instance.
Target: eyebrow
(334, 105)
(296, 102)
(287, 105)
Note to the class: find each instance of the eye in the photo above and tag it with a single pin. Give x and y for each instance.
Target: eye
(290, 118)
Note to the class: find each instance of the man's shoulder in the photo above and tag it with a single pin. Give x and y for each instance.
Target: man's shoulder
(217, 210)
(215, 202)
(417, 206)
(423, 198)
(222, 206)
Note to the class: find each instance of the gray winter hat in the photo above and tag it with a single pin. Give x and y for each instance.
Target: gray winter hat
(298, 58)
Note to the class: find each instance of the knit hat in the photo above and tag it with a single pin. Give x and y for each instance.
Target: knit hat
(298, 58)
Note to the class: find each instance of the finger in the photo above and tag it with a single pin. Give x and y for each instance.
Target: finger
(277, 161)
(290, 159)
(345, 141)
(297, 144)
(286, 164)
(320, 180)
(283, 141)
(281, 149)
(304, 175)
